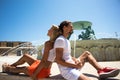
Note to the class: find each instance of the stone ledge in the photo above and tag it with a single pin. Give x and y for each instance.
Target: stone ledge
(55, 73)
(5, 76)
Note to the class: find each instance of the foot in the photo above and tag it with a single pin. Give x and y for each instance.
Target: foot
(5, 67)
(108, 72)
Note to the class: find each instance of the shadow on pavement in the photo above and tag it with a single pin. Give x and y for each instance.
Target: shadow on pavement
(109, 79)
(57, 77)
(91, 75)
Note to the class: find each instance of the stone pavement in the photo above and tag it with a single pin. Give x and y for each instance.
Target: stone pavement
(88, 70)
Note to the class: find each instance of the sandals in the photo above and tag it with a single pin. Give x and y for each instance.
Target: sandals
(5, 67)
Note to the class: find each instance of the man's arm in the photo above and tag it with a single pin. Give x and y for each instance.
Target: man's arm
(59, 60)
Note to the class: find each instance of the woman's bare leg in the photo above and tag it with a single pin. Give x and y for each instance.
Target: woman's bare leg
(16, 70)
(25, 58)
(89, 57)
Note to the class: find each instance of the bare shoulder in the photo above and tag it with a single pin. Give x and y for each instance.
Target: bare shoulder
(48, 43)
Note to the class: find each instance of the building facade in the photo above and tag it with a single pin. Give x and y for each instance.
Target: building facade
(14, 47)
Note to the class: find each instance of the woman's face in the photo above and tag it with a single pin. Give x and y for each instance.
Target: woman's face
(50, 32)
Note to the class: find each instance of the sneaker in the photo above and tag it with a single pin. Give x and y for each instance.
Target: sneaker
(108, 72)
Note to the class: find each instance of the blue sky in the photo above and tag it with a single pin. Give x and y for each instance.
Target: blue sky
(29, 20)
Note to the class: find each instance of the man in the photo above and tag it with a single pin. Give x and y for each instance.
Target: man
(69, 66)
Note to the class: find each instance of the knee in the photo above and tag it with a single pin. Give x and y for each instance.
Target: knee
(87, 53)
(25, 55)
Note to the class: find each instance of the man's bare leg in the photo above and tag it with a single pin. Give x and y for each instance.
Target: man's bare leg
(103, 72)
(89, 57)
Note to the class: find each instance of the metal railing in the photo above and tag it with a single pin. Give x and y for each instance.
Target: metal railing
(28, 46)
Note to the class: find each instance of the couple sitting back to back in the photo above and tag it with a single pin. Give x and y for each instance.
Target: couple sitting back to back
(58, 49)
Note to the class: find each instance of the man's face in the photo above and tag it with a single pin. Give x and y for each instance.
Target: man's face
(70, 28)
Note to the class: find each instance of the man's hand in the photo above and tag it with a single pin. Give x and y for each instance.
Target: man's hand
(78, 63)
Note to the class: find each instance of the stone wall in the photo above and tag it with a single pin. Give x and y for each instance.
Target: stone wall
(102, 50)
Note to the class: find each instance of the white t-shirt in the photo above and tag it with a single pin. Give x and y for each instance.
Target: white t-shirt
(62, 42)
(51, 56)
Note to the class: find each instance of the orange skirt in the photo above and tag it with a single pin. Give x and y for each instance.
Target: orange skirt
(44, 73)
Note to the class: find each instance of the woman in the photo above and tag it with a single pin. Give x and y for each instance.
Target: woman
(38, 68)
(68, 64)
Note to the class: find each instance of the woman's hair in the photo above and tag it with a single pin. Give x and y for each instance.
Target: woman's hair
(56, 32)
(62, 24)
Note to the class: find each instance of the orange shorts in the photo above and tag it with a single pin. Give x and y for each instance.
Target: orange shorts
(44, 73)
